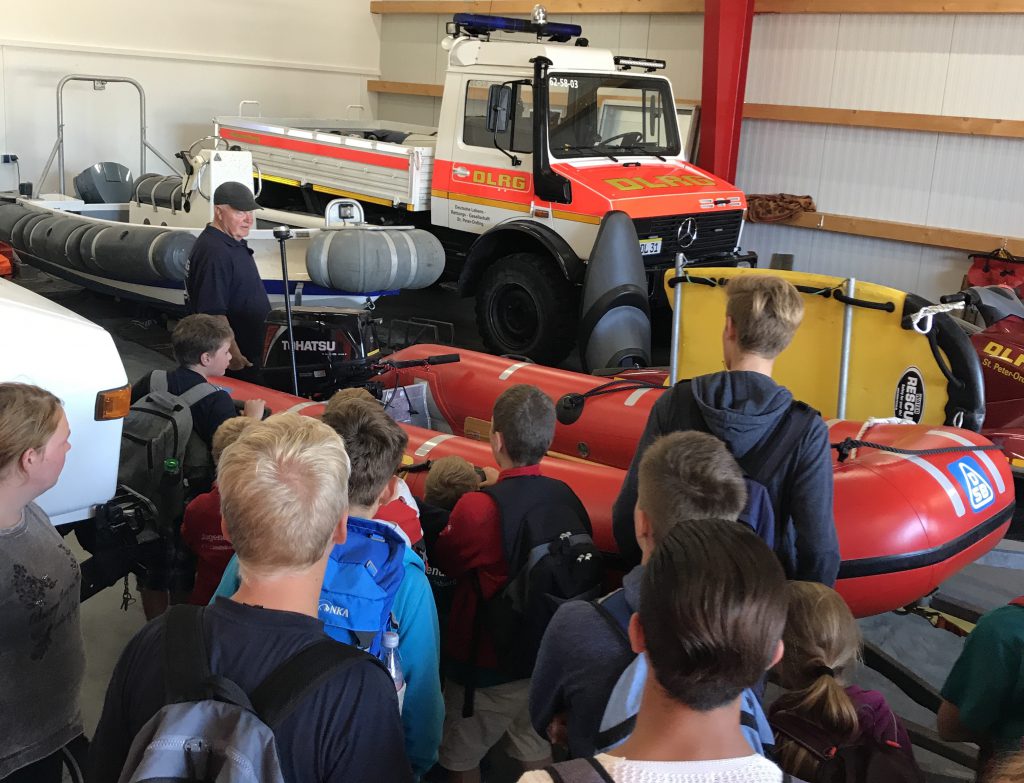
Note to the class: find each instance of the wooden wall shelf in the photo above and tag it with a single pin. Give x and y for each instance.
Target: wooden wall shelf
(859, 118)
(405, 88)
(697, 7)
(906, 232)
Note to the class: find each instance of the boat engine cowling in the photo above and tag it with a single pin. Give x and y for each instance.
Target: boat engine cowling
(368, 259)
(334, 347)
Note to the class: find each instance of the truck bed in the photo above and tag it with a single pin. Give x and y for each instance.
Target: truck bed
(388, 163)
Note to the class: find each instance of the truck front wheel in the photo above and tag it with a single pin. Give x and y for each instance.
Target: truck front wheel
(526, 306)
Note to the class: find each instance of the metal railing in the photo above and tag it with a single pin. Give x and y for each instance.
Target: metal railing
(99, 83)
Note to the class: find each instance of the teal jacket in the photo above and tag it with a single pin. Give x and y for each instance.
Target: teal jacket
(418, 645)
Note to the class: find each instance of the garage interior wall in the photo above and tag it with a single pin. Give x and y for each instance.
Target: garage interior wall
(942, 64)
(194, 59)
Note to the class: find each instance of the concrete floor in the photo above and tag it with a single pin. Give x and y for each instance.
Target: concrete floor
(144, 345)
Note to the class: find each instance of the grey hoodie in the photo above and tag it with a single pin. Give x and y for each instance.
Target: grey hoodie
(742, 409)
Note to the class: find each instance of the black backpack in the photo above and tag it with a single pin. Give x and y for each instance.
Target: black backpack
(162, 458)
(865, 760)
(546, 540)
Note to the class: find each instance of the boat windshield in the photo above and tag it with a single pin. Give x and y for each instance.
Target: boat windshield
(610, 115)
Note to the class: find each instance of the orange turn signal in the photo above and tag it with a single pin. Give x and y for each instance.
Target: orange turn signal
(113, 403)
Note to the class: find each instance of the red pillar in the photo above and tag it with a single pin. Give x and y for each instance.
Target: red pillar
(727, 26)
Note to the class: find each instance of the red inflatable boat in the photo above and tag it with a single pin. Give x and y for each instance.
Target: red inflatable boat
(905, 522)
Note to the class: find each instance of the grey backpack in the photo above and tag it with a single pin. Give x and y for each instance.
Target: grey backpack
(160, 453)
(210, 730)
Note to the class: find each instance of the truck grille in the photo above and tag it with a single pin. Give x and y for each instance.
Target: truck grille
(717, 232)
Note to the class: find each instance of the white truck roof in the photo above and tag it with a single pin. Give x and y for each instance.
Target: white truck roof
(469, 52)
(50, 346)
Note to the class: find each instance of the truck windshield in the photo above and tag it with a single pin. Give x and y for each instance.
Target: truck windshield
(610, 115)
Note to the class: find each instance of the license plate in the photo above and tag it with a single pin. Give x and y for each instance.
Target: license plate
(650, 247)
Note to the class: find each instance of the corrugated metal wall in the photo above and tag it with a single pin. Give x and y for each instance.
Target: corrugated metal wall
(971, 65)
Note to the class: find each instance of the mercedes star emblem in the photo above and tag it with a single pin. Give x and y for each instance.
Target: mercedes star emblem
(687, 233)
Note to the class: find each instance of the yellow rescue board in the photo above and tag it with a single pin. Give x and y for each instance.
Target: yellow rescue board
(891, 368)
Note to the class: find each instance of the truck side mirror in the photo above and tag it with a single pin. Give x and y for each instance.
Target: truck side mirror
(499, 107)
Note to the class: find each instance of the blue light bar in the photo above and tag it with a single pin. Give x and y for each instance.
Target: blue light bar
(482, 24)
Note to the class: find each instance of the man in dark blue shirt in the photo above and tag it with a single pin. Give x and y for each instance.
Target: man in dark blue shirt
(222, 278)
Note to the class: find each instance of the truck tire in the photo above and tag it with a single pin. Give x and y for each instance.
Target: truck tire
(526, 306)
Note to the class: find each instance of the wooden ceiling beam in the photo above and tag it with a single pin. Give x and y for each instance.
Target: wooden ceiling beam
(557, 7)
(562, 7)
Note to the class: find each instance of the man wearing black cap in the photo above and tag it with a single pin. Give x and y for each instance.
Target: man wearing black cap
(222, 278)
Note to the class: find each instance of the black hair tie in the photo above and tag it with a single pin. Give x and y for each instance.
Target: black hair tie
(824, 671)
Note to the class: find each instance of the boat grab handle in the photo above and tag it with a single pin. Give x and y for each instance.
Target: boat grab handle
(259, 108)
(887, 307)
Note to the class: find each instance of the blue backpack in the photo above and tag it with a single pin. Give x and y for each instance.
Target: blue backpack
(619, 716)
(362, 579)
(760, 465)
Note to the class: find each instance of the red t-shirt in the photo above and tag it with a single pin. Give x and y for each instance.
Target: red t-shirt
(472, 542)
(405, 516)
(200, 530)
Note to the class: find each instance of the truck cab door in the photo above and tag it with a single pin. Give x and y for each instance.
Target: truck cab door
(485, 186)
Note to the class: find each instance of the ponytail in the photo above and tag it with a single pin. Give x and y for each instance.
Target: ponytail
(822, 645)
(824, 703)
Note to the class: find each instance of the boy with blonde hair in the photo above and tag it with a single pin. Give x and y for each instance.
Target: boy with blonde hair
(767, 431)
(359, 573)
(284, 497)
(449, 479)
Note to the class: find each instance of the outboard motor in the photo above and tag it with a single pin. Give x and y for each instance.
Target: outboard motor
(615, 322)
(104, 183)
(334, 347)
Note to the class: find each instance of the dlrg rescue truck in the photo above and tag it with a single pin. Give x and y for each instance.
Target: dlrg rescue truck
(537, 141)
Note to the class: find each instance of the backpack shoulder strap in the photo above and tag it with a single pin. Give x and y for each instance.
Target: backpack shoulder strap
(686, 401)
(186, 661)
(158, 381)
(764, 462)
(198, 392)
(277, 697)
(588, 770)
(811, 737)
(612, 608)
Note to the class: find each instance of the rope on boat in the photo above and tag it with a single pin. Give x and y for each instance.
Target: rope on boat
(926, 314)
(847, 446)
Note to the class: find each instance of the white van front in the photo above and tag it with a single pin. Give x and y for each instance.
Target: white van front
(49, 346)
